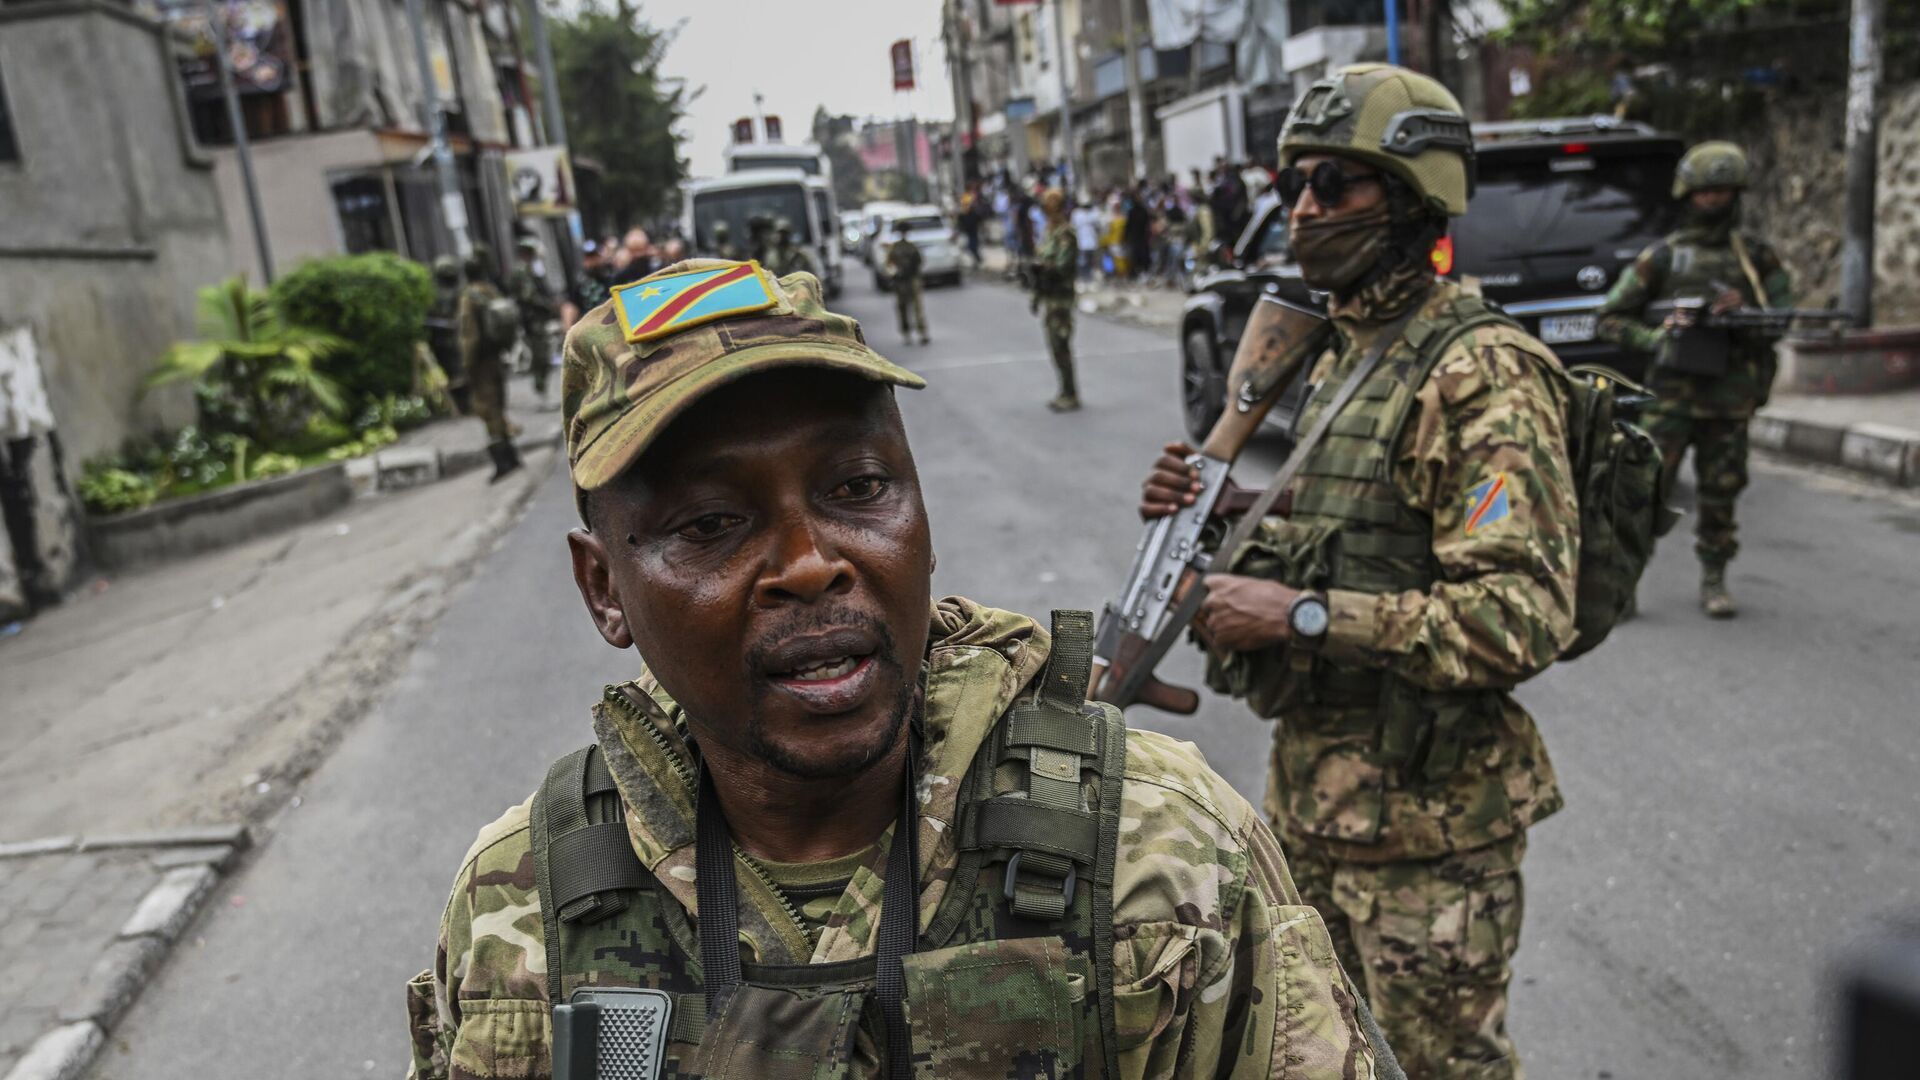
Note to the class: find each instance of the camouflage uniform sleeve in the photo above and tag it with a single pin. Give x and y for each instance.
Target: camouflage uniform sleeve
(1621, 319)
(469, 320)
(1485, 457)
(1219, 970)
(480, 1013)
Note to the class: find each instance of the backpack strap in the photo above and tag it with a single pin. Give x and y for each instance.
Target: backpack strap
(1430, 340)
(1054, 842)
(584, 864)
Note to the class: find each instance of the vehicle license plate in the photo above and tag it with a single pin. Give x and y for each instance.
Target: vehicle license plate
(1556, 329)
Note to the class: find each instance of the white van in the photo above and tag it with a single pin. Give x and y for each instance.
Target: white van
(738, 198)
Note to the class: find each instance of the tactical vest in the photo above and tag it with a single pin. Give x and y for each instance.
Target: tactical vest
(1685, 267)
(1349, 529)
(1026, 922)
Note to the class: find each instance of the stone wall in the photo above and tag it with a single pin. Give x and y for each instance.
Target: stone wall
(1799, 197)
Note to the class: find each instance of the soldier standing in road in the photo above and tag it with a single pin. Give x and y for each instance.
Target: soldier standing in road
(529, 289)
(488, 324)
(903, 273)
(1426, 568)
(1053, 275)
(828, 794)
(443, 330)
(760, 239)
(1707, 383)
(786, 257)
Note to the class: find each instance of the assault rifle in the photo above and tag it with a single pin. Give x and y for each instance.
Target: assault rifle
(1164, 589)
(1696, 312)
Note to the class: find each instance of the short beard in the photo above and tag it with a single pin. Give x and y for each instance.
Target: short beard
(886, 657)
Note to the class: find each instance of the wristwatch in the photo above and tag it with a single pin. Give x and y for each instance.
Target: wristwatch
(1308, 618)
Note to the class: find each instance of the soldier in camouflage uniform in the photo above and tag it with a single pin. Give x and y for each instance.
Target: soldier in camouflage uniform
(1704, 405)
(754, 527)
(483, 356)
(443, 330)
(786, 257)
(1053, 271)
(723, 245)
(909, 288)
(529, 288)
(1427, 567)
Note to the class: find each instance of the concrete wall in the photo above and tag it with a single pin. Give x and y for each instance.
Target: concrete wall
(111, 218)
(1799, 196)
(296, 196)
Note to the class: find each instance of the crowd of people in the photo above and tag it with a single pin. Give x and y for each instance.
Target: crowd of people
(1147, 232)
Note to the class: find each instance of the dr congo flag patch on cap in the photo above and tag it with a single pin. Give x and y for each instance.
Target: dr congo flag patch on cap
(658, 306)
(1487, 503)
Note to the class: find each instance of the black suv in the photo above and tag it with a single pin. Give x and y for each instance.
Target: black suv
(1559, 208)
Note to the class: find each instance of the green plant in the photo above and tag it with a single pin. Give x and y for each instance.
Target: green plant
(106, 488)
(260, 370)
(376, 304)
(271, 464)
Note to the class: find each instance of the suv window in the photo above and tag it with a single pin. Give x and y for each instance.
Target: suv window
(1600, 205)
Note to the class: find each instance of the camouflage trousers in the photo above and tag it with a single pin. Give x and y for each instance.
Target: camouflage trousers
(487, 377)
(540, 354)
(1056, 317)
(1719, 473)
(908, 303)
(1430, 942)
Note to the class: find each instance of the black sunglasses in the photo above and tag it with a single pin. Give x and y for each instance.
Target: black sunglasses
(1327, 181)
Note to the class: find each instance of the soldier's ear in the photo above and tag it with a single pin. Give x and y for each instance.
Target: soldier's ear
(593, 573)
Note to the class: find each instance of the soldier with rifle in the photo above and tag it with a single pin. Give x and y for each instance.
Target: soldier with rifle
(1708, 303)
(1426, 567)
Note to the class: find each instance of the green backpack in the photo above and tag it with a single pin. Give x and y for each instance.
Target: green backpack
(1622, 487)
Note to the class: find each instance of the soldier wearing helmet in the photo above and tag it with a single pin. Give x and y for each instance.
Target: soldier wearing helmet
(786, 256)
(489, 324)
(443, 332)
(1427, 566)
(1708, 382)
(1051, 274)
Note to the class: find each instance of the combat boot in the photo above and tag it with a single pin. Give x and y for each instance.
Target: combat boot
(1715, 600)
(506, 458)
(1064, 402)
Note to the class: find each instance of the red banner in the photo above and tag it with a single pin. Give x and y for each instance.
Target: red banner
(903, 65)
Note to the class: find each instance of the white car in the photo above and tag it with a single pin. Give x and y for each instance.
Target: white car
(929, 231)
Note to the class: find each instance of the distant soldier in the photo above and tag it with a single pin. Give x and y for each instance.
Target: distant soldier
(443, 331)
(760, 239)
(723, 245)
(529, 288)
(1707, 382)
(903, 269)
(488, 325)
(786, 256)
(1052, 276)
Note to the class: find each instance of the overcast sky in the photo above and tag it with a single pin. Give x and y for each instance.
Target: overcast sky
(800, 56)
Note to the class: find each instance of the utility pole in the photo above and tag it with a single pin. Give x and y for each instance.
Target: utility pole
(955, 34)
(453, 208)
(1070, 166)
(556, 124)
(1863, 131)
(1393, 31)
(242, 155)
(1136, 114)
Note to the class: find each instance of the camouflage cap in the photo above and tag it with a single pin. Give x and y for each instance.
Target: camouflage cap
(637, 362)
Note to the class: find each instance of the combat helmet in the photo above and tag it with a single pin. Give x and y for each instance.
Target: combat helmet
(446, 268)
(1710, 165)
(1400, 121)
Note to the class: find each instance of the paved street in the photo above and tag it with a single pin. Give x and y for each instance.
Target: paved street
(1741, 796)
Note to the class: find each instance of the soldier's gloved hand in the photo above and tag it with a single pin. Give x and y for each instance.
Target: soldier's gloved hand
(1171, 484)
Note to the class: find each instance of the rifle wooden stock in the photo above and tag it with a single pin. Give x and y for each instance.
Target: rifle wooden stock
(1278, 342)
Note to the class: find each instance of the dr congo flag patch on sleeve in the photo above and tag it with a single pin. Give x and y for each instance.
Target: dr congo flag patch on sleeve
(1487, 503)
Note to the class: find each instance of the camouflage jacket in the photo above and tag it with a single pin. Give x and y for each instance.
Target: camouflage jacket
(1054, 264)
(530, 291)
(1219, 970)
(904, 260)
(1688, 263)
(1490, 605)
(475, 350)
(787, 259)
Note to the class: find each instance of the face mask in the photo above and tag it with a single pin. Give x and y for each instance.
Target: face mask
(1334, 254)
(1718, 216)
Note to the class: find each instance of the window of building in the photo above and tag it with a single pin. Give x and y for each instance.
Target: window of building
(9, 149)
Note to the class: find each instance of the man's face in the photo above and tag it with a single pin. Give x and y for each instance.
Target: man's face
(770, 557)
(1709, 200)
(637, 243)
(1364, 191)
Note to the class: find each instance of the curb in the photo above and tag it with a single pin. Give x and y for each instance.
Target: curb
(125, 966)
(1881, 451)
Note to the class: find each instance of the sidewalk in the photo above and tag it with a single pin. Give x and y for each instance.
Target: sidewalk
(153, 719)
(1876, 435)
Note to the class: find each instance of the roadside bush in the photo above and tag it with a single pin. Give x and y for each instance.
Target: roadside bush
(108, 489)
(376, 304)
